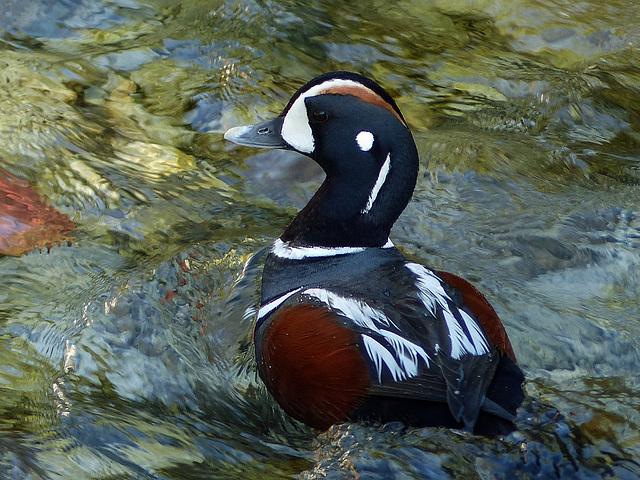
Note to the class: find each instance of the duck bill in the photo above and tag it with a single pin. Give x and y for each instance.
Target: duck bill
(262, 135)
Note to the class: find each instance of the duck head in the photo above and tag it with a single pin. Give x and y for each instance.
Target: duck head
(354, 130)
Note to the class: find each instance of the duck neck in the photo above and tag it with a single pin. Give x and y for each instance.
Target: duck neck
(336, 215)
(326, 223)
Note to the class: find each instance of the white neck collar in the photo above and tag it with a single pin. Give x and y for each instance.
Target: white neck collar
(285, 250)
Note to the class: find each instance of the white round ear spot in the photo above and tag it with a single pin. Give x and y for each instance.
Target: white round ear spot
(365, 140)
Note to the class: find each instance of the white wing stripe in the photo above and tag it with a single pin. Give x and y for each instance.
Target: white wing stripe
(478, 338)
(432, 292)
(361, 313)
(382, 357)
(407, 353)
(458, 344)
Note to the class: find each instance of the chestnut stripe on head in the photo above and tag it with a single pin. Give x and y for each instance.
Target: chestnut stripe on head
(296, 130)
(365, 94)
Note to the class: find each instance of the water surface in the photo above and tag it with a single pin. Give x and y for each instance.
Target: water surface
(132, 246)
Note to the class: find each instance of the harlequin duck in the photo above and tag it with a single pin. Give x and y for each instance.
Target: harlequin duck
(348, 328)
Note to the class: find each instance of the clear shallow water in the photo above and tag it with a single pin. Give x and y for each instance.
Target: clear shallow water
(124, 344)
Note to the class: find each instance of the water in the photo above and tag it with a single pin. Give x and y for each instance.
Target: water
(132, 231)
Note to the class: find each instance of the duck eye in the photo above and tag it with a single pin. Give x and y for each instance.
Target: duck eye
(320, 116)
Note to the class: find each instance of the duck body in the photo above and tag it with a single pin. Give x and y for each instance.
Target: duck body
(348, 328)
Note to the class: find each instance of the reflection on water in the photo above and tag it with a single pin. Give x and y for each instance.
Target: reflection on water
(130, 230)
(26, 221)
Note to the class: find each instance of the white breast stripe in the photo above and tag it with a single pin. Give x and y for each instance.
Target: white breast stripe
(382, 176)
(285, 250)
(432, 293)
(403, 362)
(273, 304)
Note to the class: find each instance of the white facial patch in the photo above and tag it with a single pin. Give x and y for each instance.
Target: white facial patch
(296, 130)
(382, 176)
(365, 140)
